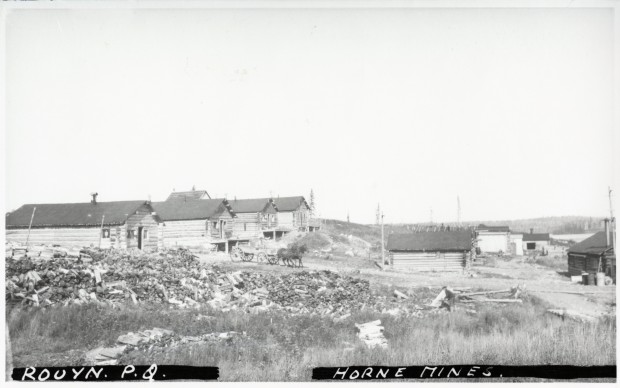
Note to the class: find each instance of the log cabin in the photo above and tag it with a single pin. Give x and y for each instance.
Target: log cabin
(293, 213)
(592, 255)
(441, 251)
(119, 224)
(255, 218)
(194, 223)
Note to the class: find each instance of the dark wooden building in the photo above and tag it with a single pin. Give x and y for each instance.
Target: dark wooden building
(431, 251)
(592, 255)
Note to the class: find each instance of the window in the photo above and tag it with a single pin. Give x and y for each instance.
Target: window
(146, 234)
(245, 227)
(105, 233)
(531, 245)
(273, 217)
(131, 233)
(215, 225)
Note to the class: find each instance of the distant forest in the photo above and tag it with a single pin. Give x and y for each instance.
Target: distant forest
(553, 225)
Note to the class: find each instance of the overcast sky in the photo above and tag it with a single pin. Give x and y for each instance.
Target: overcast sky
(509, 109)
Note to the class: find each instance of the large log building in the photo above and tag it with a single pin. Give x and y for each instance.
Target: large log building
(119, 224)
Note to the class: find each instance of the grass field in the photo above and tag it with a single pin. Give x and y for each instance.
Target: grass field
(280, 347)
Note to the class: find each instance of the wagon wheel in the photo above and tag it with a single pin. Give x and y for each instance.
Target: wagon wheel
(236, 254)
(247, 256)
(261, 257)
(272, 259)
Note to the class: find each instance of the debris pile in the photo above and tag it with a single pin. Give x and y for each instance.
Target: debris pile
(372, 334)
(149, 340)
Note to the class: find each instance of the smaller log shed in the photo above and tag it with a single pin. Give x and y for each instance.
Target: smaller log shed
(430, 251)
(194, 223)
(119, 224)
(293, 213)
(592, 255)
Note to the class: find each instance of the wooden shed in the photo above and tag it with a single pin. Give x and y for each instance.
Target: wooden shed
(430, 251)
(293, 213)
(119, 224)
(194, 223)
(594, 254)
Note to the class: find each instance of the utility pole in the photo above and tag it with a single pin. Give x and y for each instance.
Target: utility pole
(431, 216)
(101, 230)
(612, 220)
(30, 226)
(458, 211)
(382, 245)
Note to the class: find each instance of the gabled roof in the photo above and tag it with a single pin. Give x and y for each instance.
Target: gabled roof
(190, 210)
(253, 205)
(482, 228)
(189, 195)
(596, 244)
(459, 240)
(74, 214)
(536, 237)
(289, 204)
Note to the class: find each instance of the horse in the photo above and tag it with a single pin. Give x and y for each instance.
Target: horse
(292, 254)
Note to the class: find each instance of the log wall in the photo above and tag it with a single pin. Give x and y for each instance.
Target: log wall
(142, 218)
(429, 261)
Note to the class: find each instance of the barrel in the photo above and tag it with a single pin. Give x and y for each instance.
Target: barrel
(591, 279)
(600, 279)
(584, 279)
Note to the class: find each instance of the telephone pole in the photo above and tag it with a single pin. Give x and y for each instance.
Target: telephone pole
(612, 220)
(382, 245)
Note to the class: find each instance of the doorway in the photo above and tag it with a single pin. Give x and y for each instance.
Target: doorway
(140, 228)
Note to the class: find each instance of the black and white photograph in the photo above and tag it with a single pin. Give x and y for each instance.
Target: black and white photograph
(308, 192)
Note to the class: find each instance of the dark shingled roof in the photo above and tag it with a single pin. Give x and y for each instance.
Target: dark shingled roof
(73, 214)
(289, 204)
(536, 237)
(188, 195)
(253, 205)
(190, 210)
(596, 244)
(430, 241)
(483, 227)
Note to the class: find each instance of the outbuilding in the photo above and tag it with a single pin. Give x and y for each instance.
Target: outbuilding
(493, 239)
(536, 241)
(118, 224)
(592, 255)
(430, 251)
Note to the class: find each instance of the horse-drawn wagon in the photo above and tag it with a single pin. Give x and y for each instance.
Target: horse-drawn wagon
(254, 250)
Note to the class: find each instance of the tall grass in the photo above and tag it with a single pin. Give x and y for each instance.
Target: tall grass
(279, 347)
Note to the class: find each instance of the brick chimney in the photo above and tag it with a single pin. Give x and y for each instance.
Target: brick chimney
(531, 230)
(94, 200)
